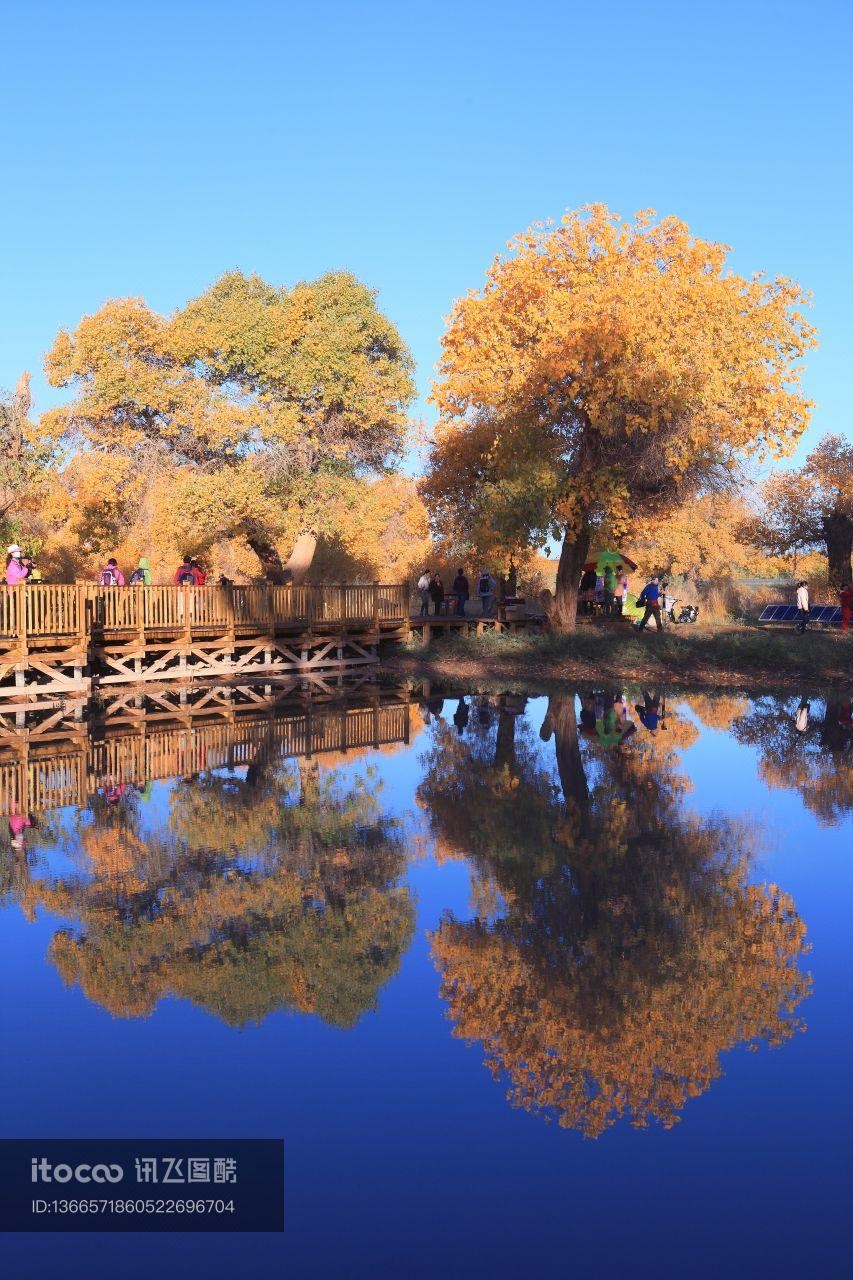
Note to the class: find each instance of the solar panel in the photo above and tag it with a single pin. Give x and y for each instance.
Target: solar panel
(779, 613)
(823, 613)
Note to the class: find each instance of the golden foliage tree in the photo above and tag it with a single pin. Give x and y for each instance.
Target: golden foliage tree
(257, 406)
(811, 508)
(604, 366)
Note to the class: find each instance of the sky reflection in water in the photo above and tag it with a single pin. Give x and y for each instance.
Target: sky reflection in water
(605, 898)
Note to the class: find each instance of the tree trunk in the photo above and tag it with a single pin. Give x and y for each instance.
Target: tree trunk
(274, 570)
(573, 554)
(299, 561)
(838, 532)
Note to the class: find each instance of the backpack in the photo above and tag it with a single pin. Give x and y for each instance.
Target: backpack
(485, 587)
(186, 578)
(108, 577)
(137, 578)
(642, 598)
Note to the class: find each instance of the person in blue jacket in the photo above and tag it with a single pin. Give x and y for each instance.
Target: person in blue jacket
(650, 598)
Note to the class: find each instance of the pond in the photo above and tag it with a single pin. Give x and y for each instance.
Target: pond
(528, 984)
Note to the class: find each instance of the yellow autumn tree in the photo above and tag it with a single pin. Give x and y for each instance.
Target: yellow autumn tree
(604, 366)
(254, 408)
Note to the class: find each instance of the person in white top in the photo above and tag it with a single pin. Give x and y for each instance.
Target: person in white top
(423, 587)
(803, 605)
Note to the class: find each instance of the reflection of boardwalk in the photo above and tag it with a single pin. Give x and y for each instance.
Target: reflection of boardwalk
(135, 745)
(60, 641)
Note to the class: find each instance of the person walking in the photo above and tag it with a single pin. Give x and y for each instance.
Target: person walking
(803, 606)
(16, 570)
(423, 587)
(461, 590)
(486, 592)
(141, 576)
(845, 597)
(436, 591)
(649, 598)
(111, 575)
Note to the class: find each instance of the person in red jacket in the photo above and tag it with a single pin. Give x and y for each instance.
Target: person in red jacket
(200, 575)
(185, 574)
(845, 595)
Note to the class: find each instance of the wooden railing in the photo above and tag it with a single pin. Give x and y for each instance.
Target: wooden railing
(80, 611)
(29, 784)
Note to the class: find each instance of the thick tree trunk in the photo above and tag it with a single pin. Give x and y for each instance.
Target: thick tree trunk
(573, 554)
(275, 571)
(299, 561)
(838, 532)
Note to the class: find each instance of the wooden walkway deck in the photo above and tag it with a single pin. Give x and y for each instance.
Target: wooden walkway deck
(69, 640)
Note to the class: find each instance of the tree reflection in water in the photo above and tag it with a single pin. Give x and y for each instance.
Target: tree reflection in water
(810, 753)
(618, 948)
(277, 891)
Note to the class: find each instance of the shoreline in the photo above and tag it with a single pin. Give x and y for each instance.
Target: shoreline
(730, 658)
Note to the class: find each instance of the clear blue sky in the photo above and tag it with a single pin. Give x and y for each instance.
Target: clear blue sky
(148, 147)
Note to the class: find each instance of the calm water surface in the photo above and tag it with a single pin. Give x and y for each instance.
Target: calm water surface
(539, 986)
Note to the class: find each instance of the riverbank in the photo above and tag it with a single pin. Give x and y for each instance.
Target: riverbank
(733, 657)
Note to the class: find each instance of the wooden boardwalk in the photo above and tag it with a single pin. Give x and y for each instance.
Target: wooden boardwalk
(39, 772)
(66, 641)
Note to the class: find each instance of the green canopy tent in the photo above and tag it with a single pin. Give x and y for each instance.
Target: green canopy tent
(601, 559)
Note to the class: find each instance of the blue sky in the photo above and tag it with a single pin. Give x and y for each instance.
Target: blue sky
(149, 147)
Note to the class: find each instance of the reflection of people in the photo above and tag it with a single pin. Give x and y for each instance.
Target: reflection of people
(18, 822)
(649, 711)
(801, 721)
(588, 716)
(460, 716)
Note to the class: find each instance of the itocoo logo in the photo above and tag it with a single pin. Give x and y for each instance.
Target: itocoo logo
(44, 1171)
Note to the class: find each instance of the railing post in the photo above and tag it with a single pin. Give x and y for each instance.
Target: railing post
(21, 608)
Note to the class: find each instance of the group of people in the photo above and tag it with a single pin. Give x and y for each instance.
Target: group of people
(20, 568)
(606, 591)
(431, 589)
(189, 573)
(845, 599)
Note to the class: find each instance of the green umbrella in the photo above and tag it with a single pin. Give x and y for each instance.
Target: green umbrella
(609, 557)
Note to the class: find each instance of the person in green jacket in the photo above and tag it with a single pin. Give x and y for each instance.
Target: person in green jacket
(609, 589)
(141, 576)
